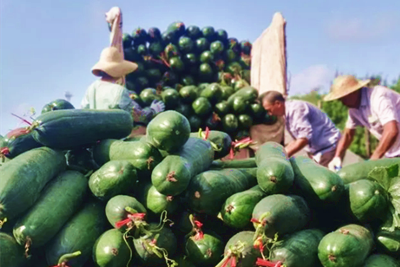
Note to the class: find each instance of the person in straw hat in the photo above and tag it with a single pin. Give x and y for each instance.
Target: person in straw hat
(310, 128)
(375, 107)
(106, 93)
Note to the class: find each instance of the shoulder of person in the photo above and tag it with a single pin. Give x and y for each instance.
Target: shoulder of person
(379, 90)
(297, 104)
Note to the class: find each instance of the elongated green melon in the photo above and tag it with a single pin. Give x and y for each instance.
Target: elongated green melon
(172, 176)
(78, 234)
(238, 208)
(274, 172)
(280, 214)
(72, 128)
(318, 185)
(62, 196)
(208, 191)
(349, 245)
(24, 177)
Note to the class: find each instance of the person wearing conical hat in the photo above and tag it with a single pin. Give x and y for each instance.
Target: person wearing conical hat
(311, 129)
(375, 107)
(106, 93)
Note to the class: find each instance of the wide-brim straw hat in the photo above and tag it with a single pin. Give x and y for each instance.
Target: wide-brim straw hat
(344, 85)
(112, 62)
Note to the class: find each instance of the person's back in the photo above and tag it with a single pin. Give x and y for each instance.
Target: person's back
(324, 133)
(106, 93)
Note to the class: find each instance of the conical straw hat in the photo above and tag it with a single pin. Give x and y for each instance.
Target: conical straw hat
(344, 85)
(113, 63)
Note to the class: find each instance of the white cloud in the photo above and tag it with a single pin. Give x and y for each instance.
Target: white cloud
(357, 30)
(311, 78)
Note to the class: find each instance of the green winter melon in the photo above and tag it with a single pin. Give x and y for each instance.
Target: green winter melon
(113, 178)
(349, 245)
(168, 131)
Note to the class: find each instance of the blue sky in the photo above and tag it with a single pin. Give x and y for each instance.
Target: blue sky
(48, 47)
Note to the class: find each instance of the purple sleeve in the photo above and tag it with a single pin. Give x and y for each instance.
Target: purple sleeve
(142, 115)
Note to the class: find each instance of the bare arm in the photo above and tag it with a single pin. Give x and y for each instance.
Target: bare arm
(295, 146)
(389, 135)
(345, 142)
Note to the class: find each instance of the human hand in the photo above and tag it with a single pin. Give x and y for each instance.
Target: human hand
(157, 106)
(335, 164)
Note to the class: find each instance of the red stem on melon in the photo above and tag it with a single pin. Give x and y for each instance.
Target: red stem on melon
(131, 217)
(267, 263)
(170, 198)
(197, 225)
(29, 123)
(163, 58)
(259, 244)
(215, 117)
(207, 134)
(171, 177)
(4, 151)
(231, 260)
(237, 145)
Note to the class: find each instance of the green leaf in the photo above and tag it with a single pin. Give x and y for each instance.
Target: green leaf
(389, 179)
(393, 223)
(384, 175)
(394, 193)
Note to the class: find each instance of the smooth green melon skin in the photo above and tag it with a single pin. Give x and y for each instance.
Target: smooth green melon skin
(349, 245)
(281, 214)
(78, 234)
(360, 170)
(11, 253)
(207, 251)
(318, 185)
(168, 131)
(274, 173)
(381, 260)
(59, 200)
(238, 208)
(110, 250)
(115, 208)
(116, 177)
(24, 177)
(164, 239)
(249, 253)
(299, 249)
(368, 200)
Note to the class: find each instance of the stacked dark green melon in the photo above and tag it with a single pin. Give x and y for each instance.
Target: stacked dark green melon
(195, 72)
(86, 195)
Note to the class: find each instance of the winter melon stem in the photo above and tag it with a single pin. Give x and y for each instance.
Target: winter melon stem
(2, 222)
(125, 237)
(233, 254)
(66, 257)
(27, 246)
(171, 177)
(149, 161)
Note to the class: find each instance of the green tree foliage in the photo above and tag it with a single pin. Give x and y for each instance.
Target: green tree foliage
(337, 112)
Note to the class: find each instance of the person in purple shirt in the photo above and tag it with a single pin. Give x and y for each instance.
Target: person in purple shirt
(310, 128)
(375, 107)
